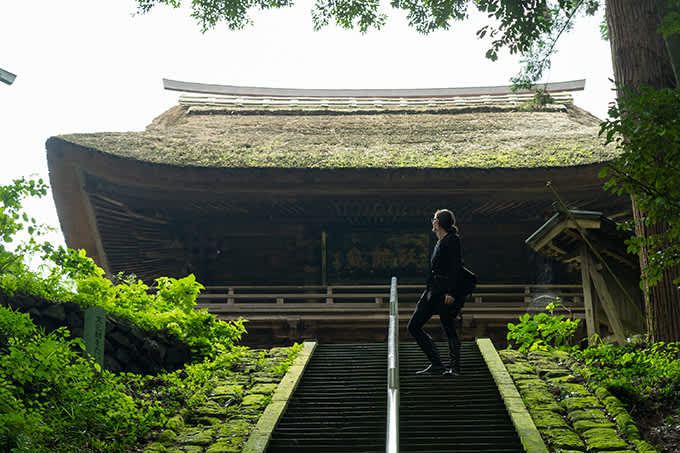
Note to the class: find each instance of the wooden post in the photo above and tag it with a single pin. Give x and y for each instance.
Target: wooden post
(329, 295)
(230, 300)
(324, 258)
(592, 323)
(527, 294)
(607, 301)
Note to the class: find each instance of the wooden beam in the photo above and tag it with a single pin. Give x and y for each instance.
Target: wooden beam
(592, 323)
(606, 299)
(190, 87)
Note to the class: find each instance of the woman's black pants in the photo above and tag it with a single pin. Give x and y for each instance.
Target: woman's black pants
(425, 308)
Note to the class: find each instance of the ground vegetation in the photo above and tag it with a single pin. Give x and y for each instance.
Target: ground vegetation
(55, 397)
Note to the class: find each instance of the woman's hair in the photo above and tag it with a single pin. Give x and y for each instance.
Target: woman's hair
(446, 220)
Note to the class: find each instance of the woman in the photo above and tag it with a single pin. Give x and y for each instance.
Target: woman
(441, 295)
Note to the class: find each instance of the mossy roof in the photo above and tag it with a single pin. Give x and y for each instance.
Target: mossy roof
(474, 137)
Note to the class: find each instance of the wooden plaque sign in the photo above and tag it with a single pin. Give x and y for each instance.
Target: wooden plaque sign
(95, 330)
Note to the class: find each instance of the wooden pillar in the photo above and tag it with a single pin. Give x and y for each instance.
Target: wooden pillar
(592, 321)
(606, 299)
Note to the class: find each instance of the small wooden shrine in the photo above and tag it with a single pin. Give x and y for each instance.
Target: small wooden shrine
(591, 243)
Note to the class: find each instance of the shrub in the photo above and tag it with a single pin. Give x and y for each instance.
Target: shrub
(542, 331)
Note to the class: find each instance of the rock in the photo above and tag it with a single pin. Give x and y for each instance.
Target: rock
(548, 419)
(255, 400)
(235, 390)
(264, 389)
(210, 409)
(582, 426)
(644, 447)
(234, 428)
(122, 355)
(584, 402)
(588, 414)
(560, 356)
(516, 369)
(604, 439)
(207, 421)
(197, 436)
(536, 395)
(568, 390)
(225, 448)
(155, 447)
(167, 437)
(511, 355)
(563, 439)
(175, 423)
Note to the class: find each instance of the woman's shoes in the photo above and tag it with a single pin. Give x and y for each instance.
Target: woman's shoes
(433, 369)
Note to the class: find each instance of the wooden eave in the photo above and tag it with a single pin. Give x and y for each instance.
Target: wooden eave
(96, 191)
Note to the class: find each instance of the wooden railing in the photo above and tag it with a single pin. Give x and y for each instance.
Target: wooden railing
(571, 295)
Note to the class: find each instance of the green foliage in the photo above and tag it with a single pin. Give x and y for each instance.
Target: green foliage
(292, 353)
(542, 331)
(14, 220)
(646, 377)
(645, 127)
(52, 398)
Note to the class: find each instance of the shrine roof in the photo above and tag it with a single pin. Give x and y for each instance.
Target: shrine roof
(248, 127)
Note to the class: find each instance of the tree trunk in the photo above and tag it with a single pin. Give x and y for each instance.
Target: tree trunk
(640, 58)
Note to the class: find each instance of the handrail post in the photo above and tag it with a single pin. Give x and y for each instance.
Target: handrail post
(392, 442)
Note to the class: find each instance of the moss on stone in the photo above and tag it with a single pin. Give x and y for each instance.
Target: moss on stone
(197, 436)
(167, 436)
(588, 414)
(255, 400)
(210, 409)
(568, 389)
(511, 355)
(548, 419)
(221, 447)
(560, 356)
(604, 439)
(175, 423)
(537, 393)
(631, 431)
(564, 439)
(155, 447)
(233, 390)
(644, 447)
(208, 421)
(581, 426)
(235, 428)
(623, 419)
(583, 402)
(520, 368)
(264, 389)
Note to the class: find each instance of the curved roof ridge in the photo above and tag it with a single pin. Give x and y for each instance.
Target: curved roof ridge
(233, 90)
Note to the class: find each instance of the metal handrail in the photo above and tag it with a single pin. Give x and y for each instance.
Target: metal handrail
(392, 441)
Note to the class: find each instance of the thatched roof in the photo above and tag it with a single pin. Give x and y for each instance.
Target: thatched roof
(496, 133)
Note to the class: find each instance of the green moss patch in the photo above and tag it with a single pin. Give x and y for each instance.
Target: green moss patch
(583, 402)
(588, 414)
(563, 439)
(548, 419)
(264, 389)
(604, 439)
(582, 426)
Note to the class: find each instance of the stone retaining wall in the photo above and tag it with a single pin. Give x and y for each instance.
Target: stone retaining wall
(127, 347)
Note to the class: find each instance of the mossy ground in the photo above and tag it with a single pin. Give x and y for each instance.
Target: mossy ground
(571, 415)
(220, 416)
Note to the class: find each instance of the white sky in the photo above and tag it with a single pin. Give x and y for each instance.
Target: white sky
(93, 66)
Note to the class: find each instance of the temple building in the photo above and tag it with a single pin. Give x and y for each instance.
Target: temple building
(263, 186)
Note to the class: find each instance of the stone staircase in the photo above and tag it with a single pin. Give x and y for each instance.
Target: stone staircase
(340, 405)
